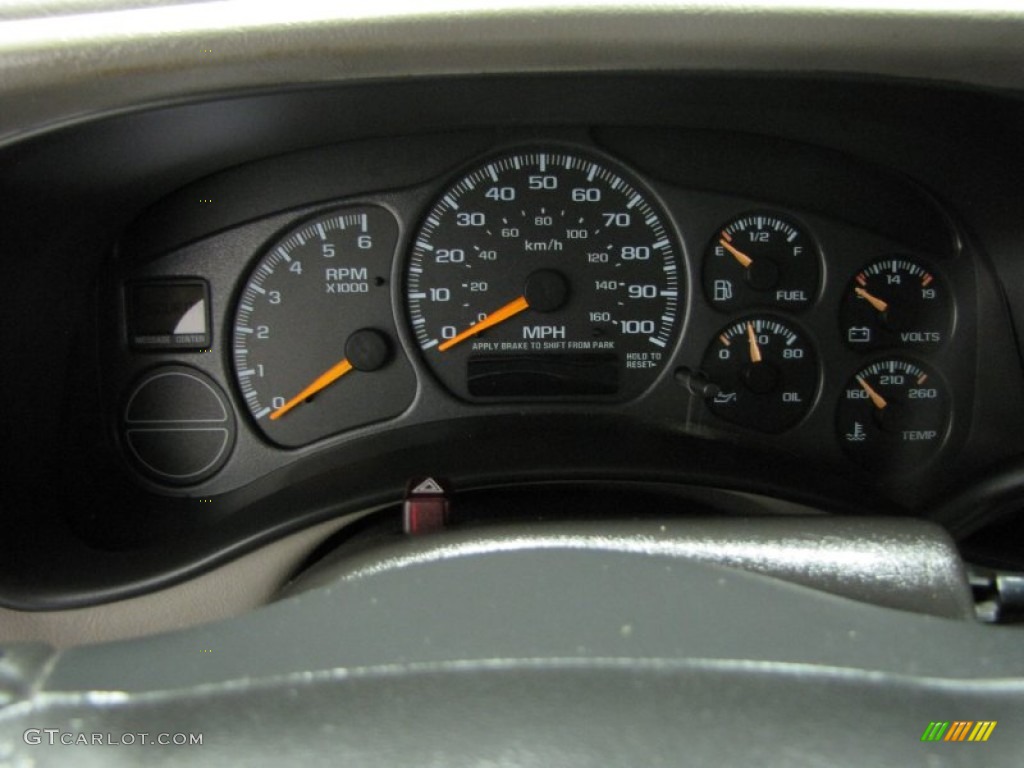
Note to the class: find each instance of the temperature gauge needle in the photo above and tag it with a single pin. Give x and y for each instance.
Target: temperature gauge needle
(511, 309)
(744, 260)
(325, 379)
(755, 351)
(876, 398)
(874, 301)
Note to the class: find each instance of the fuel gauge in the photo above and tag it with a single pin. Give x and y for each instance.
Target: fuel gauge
(896, 302)
(761, 259)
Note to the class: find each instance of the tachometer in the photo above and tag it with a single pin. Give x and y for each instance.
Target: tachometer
(314, 347)
(545, 274)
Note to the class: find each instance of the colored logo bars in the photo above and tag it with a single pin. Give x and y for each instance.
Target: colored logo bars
(959, 730)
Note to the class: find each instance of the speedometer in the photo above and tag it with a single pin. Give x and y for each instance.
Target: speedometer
(547, 274)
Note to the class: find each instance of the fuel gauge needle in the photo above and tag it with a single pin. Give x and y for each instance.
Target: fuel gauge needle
(322, 381)
(744, 260)
(511, 309)
(874, 301)
(755, 351)
(876, 398)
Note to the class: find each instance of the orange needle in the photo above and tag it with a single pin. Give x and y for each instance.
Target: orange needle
(744, 260)
(511, 309)
(755, 351)
(876, 398)
(323, 380)
(874, 301)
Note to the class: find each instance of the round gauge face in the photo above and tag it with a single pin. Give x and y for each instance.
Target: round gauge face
(896, 302)
(545, 274)
(761, 259)
(893, 415)
(314, 339)
(766, 373)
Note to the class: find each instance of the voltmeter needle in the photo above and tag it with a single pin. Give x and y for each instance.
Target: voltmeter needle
(325, 379)
(755, 351)
(511, 309)
(744, 260)
(874, 301)
(876, 398)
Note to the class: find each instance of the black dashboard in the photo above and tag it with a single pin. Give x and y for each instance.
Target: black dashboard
(870, 364)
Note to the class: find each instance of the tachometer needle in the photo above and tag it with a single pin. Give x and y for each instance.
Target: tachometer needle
(755, 351)
(874, 301)
(325, 379)
(876, 398)
(744, 260)
(511, 309)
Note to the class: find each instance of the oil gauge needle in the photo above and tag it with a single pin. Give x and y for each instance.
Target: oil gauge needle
(755, 351)
(325, 379)
(874, 301)
(876, 398)
(744, 260)
(511, 309)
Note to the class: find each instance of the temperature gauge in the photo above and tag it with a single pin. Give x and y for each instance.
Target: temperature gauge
(896, 302)
(893, 415)
(761, 259)
(766, 372)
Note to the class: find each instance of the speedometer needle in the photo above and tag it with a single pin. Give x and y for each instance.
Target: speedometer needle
(755, 351)
(877, 399)
(325, 379)
(744, 260)
(511, 309)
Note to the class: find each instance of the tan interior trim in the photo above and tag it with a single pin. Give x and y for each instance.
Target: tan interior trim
(240, 586)
(71, 65)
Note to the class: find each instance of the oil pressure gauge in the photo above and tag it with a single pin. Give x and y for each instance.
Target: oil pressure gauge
(896, 302)
(766, 372)
(893, 414)
(761, 259)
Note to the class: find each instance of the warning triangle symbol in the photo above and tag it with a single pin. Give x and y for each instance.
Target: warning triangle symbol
(430, 485)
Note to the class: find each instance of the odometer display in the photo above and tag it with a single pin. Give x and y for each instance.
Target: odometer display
(545, 274)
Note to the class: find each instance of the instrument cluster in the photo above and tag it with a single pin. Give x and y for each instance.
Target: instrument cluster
(535, 278)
